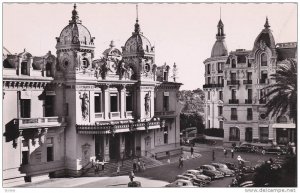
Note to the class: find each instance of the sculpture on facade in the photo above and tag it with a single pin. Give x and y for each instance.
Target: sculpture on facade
(84, 106)
(122, 70)
(105, 68)
(147, 103)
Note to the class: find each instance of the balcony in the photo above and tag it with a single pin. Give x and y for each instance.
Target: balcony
(233, 101)
(213, 85)
(99, 116)
(247, 81)
(113, 115)
(233, 82)
(262, 101)
(263, 81)
(220, 71)
(248, 101)
(234, 117)
(41, 122)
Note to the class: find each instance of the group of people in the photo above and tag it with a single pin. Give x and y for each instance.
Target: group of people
(98, 164)
(138, 165)
(226, 152)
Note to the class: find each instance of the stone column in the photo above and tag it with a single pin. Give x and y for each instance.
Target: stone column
(122, 101)
(106, 147)
(106, 102)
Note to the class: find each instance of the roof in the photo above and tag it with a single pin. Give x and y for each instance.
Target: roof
(219, 49)
(286, 50)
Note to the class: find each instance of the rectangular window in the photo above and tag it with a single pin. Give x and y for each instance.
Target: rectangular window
(24, 69)
(233, 94)
(97, 104)
(25, 108)
(25, 157)
(114, 102)
(208, 68)
(208, 110)
(128, 102)
(249, 94)
(208, 80)
(233, 114)
(49, 106)
(220, 80)
(221, 124)
(166, 103)
(208, 95)
(233, 63)
(263, 77)
(249, 75)
(263, 134)
(50, 152)
(166, 133)
(220, 110)
(165, 75)
(220, 95)
(208, 124)
(249, 113)
(233, 76)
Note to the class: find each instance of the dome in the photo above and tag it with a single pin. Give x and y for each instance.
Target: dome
(112, 51)
(138, 42)
(265, 38)
(219, 49)
(75, 32)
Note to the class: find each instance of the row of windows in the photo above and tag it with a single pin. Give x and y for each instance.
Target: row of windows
(234, 134)
(210, 67)
(241, 59)
(220, 124)
(220, 95)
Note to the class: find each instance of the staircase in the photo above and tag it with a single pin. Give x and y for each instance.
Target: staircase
(110, 169)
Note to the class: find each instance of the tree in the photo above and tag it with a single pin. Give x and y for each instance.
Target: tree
(282, 94)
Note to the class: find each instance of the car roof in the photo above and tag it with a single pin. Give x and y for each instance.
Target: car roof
(193, 171)
(182, 180)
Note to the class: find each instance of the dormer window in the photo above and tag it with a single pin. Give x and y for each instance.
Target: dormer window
(233, 63)
(264, 60)
(147, 67)
(165, 76)
(24, 69)
(48, 70)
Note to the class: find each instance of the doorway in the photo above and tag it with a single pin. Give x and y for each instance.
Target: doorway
(114, 147)
(129, 144)
(99, 147)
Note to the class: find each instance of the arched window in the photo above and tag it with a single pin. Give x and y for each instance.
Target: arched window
(24, 69)
(85, 63)
(233, 63)
(147, 67)
(234, 134)
(281, 119)
(48, 70)
(263, 60)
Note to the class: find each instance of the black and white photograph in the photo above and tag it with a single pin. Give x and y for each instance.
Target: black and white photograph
(114, 95)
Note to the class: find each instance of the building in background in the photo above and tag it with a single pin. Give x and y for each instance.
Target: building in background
(237, 105)
(62, 111)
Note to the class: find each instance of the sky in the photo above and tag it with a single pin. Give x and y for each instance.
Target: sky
(181, 33)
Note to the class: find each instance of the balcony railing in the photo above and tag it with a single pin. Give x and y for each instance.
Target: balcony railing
(99, 115)
(248, 101)
(233, 101)
(114, 115)
(40, 122)
(234, 117)
(249, 117)
(128, 114)
(164, 113)
(233, 82)
(262, 101)
(213, 85)
(247, 81)
(263, 81)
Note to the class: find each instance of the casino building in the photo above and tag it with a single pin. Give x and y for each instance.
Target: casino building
(60, 111)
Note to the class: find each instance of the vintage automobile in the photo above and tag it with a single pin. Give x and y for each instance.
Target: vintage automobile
(191, 177)
(231, 166)
(273, 150)
(245, 148)
(181, 183)
(223, 168)
(210, 171)
(199, 175)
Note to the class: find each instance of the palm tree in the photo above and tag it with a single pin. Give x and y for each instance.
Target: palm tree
(282, 95)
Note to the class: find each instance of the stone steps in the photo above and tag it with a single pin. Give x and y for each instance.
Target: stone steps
(110, 169)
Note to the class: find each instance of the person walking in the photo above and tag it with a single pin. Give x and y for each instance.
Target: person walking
(143, 166)
(213, 155)
(225, 153)
(232, 153)
(102, 163)
(180, 162)
(134, 166)
(131, 176)
(139, 165)
(118, 169)
(192, 151)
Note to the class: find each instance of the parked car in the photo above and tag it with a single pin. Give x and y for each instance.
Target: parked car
(273, 150)
(199, 175)
(231, 166)
(223, 168)
(245, 148)
(210, 171)
(193, 178)
(181, 183)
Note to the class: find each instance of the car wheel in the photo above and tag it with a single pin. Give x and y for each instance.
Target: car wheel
(263, 152)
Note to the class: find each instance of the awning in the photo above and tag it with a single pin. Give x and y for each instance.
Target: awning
(284, 125)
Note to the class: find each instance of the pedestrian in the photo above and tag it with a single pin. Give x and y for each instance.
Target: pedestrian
(102, 163)
(134, 166)
(131, 176)
(118, 169)
(192, 152)
(97, 167)
(169, 161)
(123, 156)
(143, 166)
(225, 153)
(232, 153)
(213, 155)
(139, 165)
(180, 162)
